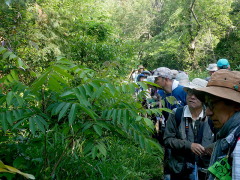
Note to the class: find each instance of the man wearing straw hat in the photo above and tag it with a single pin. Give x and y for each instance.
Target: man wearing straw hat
(212, 68)
(222, 99)
(187, 133)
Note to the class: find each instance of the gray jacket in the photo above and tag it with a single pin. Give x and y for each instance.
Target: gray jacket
(175, 138)
(224, 139)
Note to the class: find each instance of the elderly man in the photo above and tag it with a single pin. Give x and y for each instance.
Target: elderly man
(212, 68)
(187, 133)
(222, 98)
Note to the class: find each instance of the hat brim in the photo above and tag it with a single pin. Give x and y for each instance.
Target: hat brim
(189, 87)
(222, 92)
(212, 69)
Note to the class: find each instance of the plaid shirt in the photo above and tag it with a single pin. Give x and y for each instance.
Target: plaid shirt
(236, 161)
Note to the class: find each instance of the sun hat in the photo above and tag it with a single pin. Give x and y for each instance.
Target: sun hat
(140, 75)
(212, 67)
(224, 84)
(175, 73)
(140, 67)
(196, 83)
(223, 63)
(183, 79)
(151, 79)
(163, 72)
(146, 72)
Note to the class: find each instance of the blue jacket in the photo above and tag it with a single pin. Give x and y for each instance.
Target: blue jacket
(179, 94)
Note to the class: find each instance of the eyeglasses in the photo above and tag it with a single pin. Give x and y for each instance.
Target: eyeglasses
(209, 104)
(190, 92)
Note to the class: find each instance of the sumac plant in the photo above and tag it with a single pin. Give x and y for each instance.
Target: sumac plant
(73, 98)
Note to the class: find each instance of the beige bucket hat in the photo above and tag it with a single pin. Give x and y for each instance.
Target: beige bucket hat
(224, 84)
(212, 67)
(196, 83)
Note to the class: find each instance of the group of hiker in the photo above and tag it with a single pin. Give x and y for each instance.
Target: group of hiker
(201, 136)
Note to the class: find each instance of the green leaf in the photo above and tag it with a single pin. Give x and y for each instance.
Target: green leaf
(14, 75)
(9, 98)
(72, 114)
(131, 88)
(20, 122)
(172, 100)
(102, 149)
(88, 147)
(88, 90)
(94, 152)
(63, 111)
(166, 109)
(60, 106)
(124, 88)
(147, 145)
(141, 141)
(99, 91)
(109, 114)
(2, 50)
(9, 77)
(40, 81)
(19, 99)
(19, 62)
(43, 121)
(126, 118)
(62, 72)
(119, 116)
(135, 136)
(57, 77)
(6, 54)
(4, 122)
(82, 91)
(138, 118)
(88, 111)
(149, 123)
(18, 161)
(32, 126)
(10, 117)
(86, 127)
(111, 88)
(153, 84)
(114, 115)
(12, 56)
(98, 129)
(144, 86)
(157, 145)
(39, 124)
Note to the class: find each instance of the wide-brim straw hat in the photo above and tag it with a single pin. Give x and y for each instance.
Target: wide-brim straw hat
(224, 84)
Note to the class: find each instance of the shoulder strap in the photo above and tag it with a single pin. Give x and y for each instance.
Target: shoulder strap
(178, 115)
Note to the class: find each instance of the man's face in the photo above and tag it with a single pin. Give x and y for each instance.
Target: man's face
(140, 70)
(218, 111)
(160, 81)
(192, 100)
(211, 72)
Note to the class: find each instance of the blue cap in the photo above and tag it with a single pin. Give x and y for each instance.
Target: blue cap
(223, 63)
(140, 75)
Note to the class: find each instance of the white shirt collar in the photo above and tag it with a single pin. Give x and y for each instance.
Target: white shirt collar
(187, 113)
(175, 84)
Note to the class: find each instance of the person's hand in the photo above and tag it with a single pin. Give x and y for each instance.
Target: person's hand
(209, 151)
(197, 149)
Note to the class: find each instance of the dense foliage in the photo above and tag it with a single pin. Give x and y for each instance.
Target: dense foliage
(67, 109)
